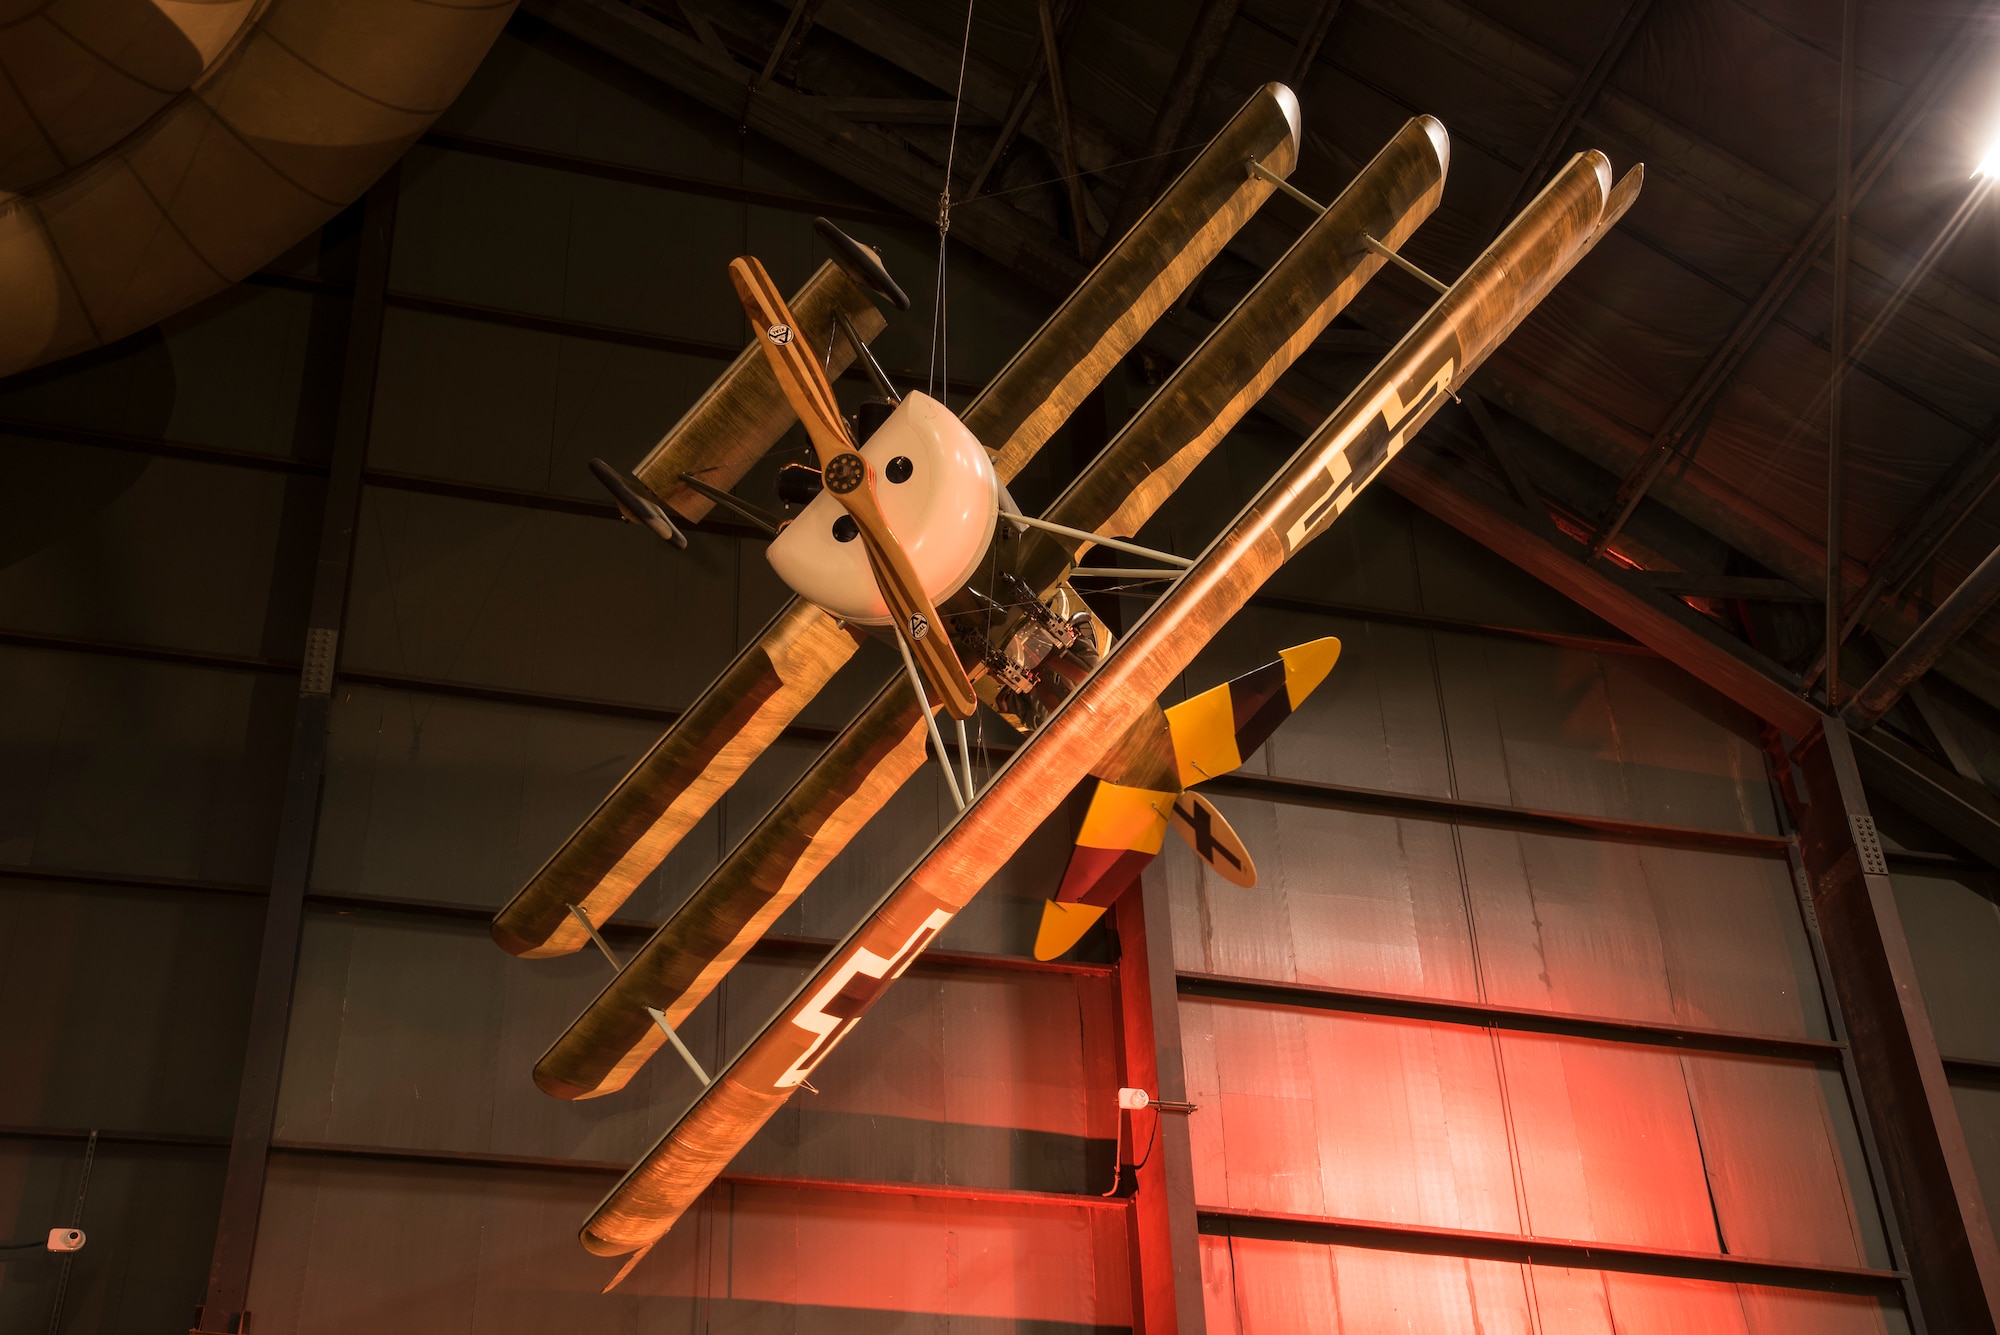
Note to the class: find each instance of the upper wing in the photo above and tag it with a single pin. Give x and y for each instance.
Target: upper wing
(1243, 357)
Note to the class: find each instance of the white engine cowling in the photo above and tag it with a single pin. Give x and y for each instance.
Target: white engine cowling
(941, 499)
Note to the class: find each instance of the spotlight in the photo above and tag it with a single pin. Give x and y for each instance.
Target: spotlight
(1989, 159)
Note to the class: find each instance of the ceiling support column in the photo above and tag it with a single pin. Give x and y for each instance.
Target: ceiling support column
(1933, 1191)
(223, 1309)
(1166, 1250)
(1843, 204)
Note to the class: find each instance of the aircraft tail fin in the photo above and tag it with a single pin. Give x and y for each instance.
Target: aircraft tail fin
(1203, 829)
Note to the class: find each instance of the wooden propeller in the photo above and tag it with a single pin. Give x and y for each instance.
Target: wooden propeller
(852, 481)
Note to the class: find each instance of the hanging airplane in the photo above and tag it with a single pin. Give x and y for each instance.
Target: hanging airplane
(910, 534)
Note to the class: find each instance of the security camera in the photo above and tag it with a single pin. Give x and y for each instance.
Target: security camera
(65, 1239)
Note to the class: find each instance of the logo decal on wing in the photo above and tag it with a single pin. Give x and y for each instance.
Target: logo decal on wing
(781, 334)
(839, 1005)
(1377, 440)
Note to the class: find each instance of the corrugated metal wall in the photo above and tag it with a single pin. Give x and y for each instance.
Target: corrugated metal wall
(1371, 1098)
(1491, 1031)
(1952, 917)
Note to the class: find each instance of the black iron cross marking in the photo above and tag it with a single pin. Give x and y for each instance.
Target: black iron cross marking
(1204, 835)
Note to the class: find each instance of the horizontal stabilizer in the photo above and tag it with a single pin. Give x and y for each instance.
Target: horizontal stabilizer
(1216, 731)
(1063, 925)
(1122, 832)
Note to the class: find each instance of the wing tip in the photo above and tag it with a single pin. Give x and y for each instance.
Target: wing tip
(1063, 925)
(1307, 665)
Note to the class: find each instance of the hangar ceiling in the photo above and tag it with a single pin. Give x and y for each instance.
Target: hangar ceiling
(1654, 441)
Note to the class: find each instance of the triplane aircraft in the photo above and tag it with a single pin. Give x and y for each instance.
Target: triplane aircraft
(910, 534)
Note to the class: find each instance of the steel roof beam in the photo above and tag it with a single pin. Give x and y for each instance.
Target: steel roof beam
(1922, 535)
(227, 1290)
(1526, 1250)
(868, 157)
(1933, 1187)
(1024, 97)
(1310, 41)
(1549, 151)
(988, 89)
(1715, 375)
(1918, 654)
(1184, 92)
(1836, 398)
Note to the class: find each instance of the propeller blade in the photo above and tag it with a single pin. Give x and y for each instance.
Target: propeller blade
(852, 481)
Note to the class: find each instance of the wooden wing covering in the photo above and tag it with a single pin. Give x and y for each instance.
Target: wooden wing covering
(1242, 358)
(1308, 495)
(737, 903)
(707, 750)
(1207, 394)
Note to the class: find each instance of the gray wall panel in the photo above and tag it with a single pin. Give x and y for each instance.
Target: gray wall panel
(521, 408)
(231, 372)
(1503, 720)
(1592, 927)
(139, 768)
(415, 1033)
(1954, 930)
(1537, 726)
(397, 1247)
(185, 555)
(525, 238)
(126, 1008)
(567, 604)
(148, 1219)
(433, 797)
(1979, 1112)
